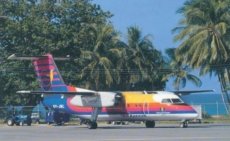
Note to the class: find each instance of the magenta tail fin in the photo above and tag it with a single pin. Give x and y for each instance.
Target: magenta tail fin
(48, 74)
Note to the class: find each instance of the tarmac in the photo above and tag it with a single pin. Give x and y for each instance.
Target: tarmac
(131, 132)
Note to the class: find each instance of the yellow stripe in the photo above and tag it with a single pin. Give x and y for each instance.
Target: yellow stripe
(137, 97)
(51, 75)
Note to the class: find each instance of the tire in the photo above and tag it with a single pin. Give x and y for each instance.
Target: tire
(10, 122)
(184, 124)
(28, 123)
(149, 124)
(59, 123)
(21, 123)
(92, 125)
(37, 122)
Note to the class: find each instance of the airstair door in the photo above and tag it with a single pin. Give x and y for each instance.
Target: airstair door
(146, 108)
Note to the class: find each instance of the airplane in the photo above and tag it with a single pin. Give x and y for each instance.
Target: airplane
(92, 106)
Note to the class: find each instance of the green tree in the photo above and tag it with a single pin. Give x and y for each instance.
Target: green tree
(179, 72)
(204, 35)
(37, 28)
(97, 61)
(81, 29)
(140, 63)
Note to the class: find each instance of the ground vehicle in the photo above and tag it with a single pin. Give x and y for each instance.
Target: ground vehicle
(35, 117)
(19, 120)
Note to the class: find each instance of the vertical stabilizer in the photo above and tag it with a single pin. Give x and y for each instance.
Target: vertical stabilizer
(48, 74)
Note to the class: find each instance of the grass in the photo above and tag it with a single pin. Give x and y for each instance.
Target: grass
(217, 119)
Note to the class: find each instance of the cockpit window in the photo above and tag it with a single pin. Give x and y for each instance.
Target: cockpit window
(173, 100)
(177, 100)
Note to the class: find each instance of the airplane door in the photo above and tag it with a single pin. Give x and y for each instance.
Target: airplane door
(145, 108)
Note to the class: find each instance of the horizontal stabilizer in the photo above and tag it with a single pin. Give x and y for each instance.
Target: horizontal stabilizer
(15, 57)
(56, 92)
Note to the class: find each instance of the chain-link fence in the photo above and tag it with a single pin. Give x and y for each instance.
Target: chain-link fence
(213, 109)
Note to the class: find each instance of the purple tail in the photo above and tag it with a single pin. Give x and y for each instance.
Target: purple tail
(48, 74)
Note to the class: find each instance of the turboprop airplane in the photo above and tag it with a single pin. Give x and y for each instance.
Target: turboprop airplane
(92, 106)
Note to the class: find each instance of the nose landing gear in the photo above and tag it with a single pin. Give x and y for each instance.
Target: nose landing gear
(184, 124)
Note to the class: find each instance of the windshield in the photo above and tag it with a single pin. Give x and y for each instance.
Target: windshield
(177, 100)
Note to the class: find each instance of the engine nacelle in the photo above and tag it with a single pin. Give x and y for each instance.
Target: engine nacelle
(102, 99)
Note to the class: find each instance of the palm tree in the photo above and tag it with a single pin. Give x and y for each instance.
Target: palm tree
(108, 63)
(139, 60)
(179, 72)
(96, 60)
(204, 35)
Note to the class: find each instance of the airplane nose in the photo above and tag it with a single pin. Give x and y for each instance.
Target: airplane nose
(196, 111)
(196, 115)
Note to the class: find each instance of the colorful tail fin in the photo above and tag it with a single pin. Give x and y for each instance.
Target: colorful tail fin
(48, 74)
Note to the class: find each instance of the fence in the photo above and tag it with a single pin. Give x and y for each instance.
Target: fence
(213, 109)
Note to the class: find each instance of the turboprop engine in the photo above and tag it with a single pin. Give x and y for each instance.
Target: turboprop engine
(100, 99)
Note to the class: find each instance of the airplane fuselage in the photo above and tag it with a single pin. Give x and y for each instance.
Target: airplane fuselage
(133, 106)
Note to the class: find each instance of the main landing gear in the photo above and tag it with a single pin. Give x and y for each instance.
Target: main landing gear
(149, 124)
(92, 125)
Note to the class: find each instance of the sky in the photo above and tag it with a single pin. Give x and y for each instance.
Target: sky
(157, 18)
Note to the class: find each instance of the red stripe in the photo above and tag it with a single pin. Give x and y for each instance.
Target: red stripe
(134, 107)
(48, 80)
(71, 89)
(44, 68)
(42, 61)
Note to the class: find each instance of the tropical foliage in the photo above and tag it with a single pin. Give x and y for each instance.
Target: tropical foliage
(97, 63)
(141, 63)
(99, 58)
(204, 35)
(37, 28)
(180, 73)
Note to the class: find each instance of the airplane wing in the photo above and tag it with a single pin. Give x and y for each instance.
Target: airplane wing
(187, 92)
(85, 99)
(57, 92)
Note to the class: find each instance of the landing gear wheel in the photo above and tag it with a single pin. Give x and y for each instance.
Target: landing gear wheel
(92, 125)
(37, 122)
(184, 124)
(21, 123)
(149, 124)
(28, 123)
(60, 123)
(10, 122)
